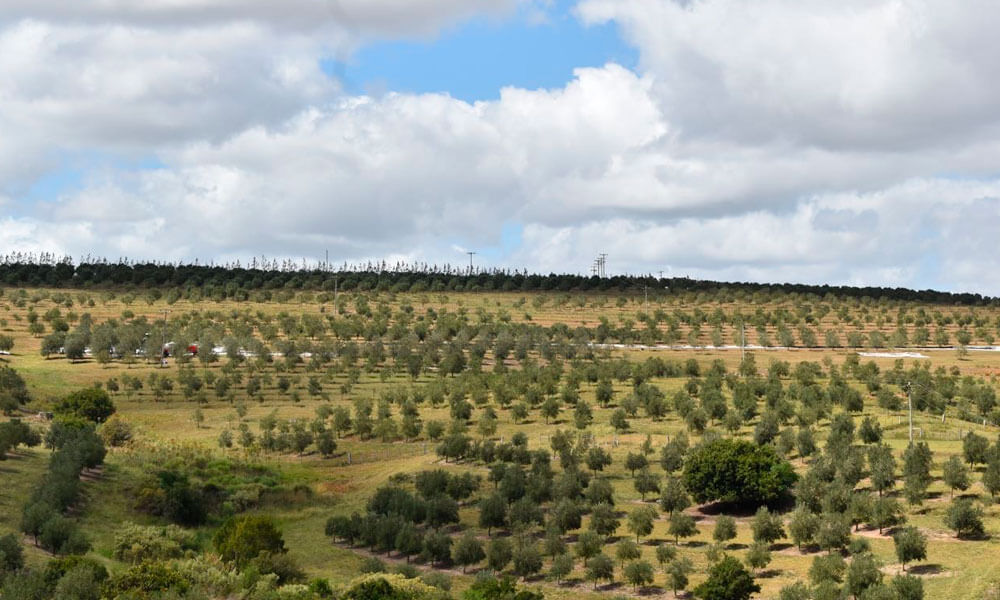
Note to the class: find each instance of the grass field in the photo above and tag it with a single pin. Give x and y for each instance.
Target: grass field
(164, 421)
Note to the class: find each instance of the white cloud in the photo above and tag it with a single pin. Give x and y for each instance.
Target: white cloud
(127, 91)
(883, 75)
(850, 142)
(379, 18)
(131, 78)
(921, 230)
(376, 175)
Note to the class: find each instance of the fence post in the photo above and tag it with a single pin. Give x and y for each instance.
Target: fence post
(348, 458)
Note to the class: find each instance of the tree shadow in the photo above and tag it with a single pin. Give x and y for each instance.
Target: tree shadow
(739, 510)
(925, 569)
(609, 587)
(714, 509)
(19, 454)
(651, 590)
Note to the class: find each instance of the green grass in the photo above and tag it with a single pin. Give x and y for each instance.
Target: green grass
(19, 475)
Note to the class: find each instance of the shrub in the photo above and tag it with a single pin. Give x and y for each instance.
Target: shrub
(11, 554)
(498, 554)
(136, 543)
(468, 551)
(390, 587)
(488, 587)
(727, 580)
(60, 535)
(116, 432)
(437, 579)
(13, 388)
(240, 539)
(279, 564)
(79, 583)
(965, 518)
(910, 545)
(172, 496)
(408, 571)
(56, 568)
(149, 577)
(14, 433)
(725, 529)
(639, 573)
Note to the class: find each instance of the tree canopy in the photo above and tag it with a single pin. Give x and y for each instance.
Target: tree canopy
(727, 580)
(92, 404)
(737, 471)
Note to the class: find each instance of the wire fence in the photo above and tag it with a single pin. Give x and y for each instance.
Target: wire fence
(356, 456)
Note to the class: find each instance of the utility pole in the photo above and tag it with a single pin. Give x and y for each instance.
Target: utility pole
(163, 340)
(598, 266)
(743, 341)
(909, 397)
(471, 254)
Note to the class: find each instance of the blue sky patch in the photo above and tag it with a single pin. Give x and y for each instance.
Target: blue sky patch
(476, 59)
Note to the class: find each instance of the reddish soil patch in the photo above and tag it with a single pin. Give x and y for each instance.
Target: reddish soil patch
(335, 487)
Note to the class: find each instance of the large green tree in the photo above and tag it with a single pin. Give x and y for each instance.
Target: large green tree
(93, 404)
(737, 471)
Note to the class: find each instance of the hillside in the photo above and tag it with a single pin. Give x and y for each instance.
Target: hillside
(579, 408)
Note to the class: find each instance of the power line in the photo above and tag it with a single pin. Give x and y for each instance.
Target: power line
(597, 269)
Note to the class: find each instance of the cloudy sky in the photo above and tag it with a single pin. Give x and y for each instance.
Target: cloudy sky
(847, 141)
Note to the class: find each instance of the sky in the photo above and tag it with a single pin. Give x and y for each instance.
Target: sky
(846, 142)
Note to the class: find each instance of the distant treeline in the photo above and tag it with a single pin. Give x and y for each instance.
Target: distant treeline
(235, 279)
